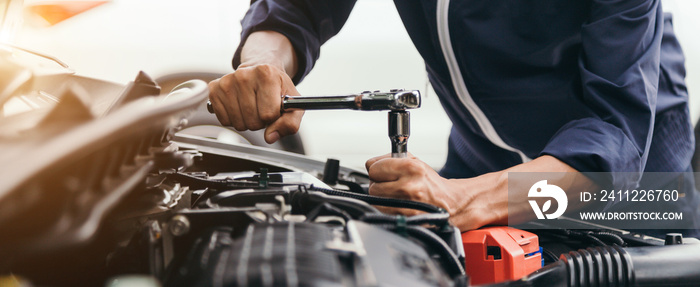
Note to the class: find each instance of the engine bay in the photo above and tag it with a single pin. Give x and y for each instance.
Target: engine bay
(104, 189)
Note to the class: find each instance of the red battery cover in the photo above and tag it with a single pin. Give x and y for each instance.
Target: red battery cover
(500, 253)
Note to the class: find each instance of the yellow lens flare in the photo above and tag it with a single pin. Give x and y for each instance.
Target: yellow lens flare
(56, 12)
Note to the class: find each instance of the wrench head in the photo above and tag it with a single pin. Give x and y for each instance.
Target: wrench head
(404, 100)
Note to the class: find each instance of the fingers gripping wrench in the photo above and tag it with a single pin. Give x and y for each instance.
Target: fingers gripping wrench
(397, 102)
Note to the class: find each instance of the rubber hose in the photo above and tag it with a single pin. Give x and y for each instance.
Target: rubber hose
(438, 219)
(673, 265)
(382, 201)
(614, 266)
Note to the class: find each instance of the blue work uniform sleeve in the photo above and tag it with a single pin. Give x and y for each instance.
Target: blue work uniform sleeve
(306, 23)
(619, 67)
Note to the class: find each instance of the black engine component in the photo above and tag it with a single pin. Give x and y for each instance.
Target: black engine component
(276, 254)
(284, 234)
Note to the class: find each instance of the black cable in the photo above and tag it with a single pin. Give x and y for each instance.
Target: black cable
(594, 239)
(353, 186)
(382, 201)
(437, 219)
(430, 218)
(587, 235)
(610, 237)
(450, 260)
(328, 209)
(306, 198)
(553, 257)
(378, 218)
(599, 238)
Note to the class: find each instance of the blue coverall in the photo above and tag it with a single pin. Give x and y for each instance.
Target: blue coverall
(597, 84)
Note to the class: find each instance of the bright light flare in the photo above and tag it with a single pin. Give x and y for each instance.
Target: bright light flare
(10, 19)
(55, 12)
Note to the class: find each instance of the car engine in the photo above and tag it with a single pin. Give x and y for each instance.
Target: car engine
(103, 186)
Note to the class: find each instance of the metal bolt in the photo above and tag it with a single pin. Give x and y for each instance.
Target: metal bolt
(179, 225)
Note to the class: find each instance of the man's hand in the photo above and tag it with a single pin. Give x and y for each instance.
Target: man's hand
(409, 178)
(471, 202)
(250, 98)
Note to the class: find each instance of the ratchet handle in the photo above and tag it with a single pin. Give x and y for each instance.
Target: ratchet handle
(311, 103)
(349, 102)
(394, 100)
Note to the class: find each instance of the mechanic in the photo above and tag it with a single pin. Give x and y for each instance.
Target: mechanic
(534, 86)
